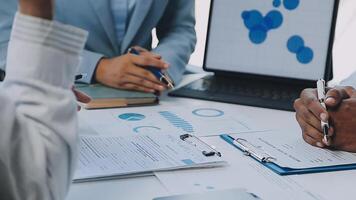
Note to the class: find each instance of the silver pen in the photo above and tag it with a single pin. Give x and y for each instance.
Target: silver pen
(321, 96)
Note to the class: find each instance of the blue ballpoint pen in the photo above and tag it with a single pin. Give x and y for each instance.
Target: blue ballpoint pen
(155, 71)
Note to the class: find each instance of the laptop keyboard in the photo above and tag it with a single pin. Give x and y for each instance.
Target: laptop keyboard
(265, 94)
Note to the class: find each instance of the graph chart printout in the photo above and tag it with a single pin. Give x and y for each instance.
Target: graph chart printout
(179, 119)
(108, 156)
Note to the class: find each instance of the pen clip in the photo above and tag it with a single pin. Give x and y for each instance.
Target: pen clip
(189, 139)
(250, 150)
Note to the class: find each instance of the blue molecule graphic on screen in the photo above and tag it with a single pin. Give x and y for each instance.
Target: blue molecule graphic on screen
(295, 43)
(273, 19)
(305, 55)
(258, 34)
(259, 25)
(291, 4)
(252, 18)
(297, 46)
(277, 3)
(132, 117)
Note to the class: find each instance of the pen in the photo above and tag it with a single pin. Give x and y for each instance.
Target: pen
(157, 72)
(321, 96)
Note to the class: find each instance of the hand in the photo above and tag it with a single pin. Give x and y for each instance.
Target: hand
(37, 8)
(81, 97)
(309, 112)
(344, 122)
(127, 72)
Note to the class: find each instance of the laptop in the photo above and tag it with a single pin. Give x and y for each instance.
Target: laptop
(264, 53)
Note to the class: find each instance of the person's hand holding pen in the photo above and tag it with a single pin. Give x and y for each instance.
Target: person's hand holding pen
(341, 114)
(128, 71)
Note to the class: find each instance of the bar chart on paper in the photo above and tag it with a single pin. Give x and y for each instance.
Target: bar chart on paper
(200, 120)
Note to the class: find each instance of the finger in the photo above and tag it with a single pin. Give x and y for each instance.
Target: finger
(309, 118)
(131, 86)
(331, 132)
(81, 97)
(143, 82)
(310, 100)
(144, 51)
(144, 60)
(349, 90)
(335, 96)
(312, 133)
(140, 49)
(151, 54)
(313, 142)
(143, 73)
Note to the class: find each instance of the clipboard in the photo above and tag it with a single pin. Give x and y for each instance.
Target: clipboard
(100, 155)
(268, 160)
(205, 148)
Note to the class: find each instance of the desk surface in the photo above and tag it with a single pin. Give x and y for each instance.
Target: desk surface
(333, 185)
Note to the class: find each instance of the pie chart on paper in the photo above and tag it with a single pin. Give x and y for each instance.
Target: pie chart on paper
(132, 117)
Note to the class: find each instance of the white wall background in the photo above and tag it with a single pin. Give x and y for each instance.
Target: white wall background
(202, 15)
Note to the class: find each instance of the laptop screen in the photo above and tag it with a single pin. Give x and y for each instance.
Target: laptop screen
(280, 38)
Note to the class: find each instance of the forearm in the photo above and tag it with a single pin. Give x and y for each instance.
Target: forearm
(177, 36)
(38, 110)
(176, 50)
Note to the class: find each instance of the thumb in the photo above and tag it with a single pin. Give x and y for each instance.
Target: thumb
(335, 96)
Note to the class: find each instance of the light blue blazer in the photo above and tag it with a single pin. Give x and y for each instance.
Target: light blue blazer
(174, 21)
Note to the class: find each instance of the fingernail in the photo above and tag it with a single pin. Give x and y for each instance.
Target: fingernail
(326, 143)
(319, 144)
(161, 88)
(323, 117)
(166, 65)
(330, 100)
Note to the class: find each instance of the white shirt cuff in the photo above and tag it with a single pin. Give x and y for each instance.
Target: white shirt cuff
(43, 50)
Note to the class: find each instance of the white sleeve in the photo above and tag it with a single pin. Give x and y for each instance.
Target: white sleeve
(350, 81)
(38, 111)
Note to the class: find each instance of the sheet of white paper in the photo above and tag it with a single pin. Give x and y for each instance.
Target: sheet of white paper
(170, 117)
(291, 151)
(242, 172)
(231, 194)
(102, 156)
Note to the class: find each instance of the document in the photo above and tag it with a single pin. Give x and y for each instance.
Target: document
(242, 172)
(290, 150)
(115, 156)
(231, 194)
(205, 119)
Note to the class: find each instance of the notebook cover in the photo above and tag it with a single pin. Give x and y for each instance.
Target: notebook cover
(106, 97)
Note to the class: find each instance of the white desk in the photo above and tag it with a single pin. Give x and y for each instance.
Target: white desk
(337, 185)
